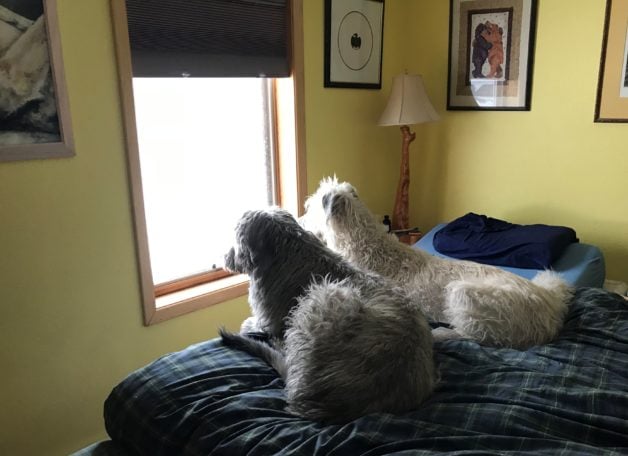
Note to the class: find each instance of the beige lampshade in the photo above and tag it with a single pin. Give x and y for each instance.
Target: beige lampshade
(408, 103)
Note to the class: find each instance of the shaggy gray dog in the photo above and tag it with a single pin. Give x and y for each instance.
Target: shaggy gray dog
(481, 302)
(347, 343)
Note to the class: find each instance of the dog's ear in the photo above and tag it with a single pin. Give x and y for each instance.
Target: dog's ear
(230, 260)
(326, 200)
(263, 236)
(239, 260)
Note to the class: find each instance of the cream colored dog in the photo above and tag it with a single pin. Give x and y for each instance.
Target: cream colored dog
(481, 302)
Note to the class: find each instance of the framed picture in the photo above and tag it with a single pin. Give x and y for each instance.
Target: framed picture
(612, 89)
(34, 113)
(491, 50)
(354, 31)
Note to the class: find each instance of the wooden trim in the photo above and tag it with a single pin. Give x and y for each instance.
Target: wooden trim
(610, 106)
(290, 98)
(125, 79)
(58, 76)
(298, 76)
(274, 139)
(168, 300)
(190, 281)
(196, 298)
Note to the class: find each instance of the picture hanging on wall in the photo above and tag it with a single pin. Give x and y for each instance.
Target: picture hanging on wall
(354, 32)
(491, 54)
(34, 113)
(612, 90)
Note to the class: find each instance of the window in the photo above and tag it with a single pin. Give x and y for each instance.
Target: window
(201, 151)
(206, 155)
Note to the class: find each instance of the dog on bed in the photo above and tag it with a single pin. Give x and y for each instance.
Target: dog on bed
(481, 302)
(346, 342)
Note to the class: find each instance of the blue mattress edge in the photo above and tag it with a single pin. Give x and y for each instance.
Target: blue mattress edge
(581, 265)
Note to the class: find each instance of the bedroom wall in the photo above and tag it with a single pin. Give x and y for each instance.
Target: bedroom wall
(550, 165)
(71, 319)
(342, 135)
(71, 325)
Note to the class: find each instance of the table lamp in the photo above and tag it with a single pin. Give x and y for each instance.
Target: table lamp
(408, 104)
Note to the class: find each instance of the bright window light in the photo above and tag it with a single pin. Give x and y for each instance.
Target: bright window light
(205, 157)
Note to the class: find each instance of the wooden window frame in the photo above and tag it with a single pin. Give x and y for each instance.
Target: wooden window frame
(202, 290)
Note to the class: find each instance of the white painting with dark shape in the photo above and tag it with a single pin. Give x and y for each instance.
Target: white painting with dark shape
(28, 110)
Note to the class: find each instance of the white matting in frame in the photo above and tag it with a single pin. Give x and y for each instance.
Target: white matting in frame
(491, 48)
(353, 43)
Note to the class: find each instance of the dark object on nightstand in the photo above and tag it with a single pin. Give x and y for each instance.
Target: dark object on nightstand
(408, 236)
(388, 223)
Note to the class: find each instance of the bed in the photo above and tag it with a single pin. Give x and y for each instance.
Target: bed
(581, 265)
(567, 397)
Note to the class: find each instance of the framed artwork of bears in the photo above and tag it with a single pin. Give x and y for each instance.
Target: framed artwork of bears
(354, 31)
(491, 53)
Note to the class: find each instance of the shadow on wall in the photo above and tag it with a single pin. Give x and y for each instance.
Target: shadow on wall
(428, 175)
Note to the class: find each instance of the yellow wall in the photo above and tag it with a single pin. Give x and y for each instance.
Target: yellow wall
(342, 136)
(71, 320)
(71, 325)
(550, 165)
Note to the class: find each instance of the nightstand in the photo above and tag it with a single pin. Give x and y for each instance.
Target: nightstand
(409, 236)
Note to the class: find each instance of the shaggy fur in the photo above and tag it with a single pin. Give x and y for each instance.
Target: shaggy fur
(481, 302)
(346, 342)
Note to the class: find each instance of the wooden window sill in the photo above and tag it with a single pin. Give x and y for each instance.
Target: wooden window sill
(198, 297)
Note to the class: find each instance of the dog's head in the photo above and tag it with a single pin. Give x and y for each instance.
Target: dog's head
(259, 237)
(335, 208)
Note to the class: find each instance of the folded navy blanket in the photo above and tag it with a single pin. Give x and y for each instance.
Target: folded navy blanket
(491, 241)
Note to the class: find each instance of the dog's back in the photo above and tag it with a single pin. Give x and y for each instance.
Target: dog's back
(355, 350)
(350, 351)
(354, 343)
(482, 302)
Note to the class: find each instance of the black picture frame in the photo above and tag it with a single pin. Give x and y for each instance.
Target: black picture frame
(491, 54)
(353, 59)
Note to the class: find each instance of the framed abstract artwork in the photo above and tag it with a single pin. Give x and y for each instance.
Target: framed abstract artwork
(354, 31)
(491, 54)
(612, 89)
(34, 112)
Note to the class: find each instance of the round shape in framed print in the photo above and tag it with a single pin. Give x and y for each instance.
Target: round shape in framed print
(355, 40)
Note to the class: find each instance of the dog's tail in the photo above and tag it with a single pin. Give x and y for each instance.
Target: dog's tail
(553, 283)
(257, 348)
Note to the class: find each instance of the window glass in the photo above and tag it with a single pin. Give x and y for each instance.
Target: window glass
(206, 156)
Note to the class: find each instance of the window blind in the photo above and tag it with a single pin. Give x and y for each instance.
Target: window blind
(209, 38)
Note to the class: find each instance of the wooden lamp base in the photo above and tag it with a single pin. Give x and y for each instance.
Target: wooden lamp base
(400, 216)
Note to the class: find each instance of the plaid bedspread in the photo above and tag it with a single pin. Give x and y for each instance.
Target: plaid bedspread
(569, 397)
